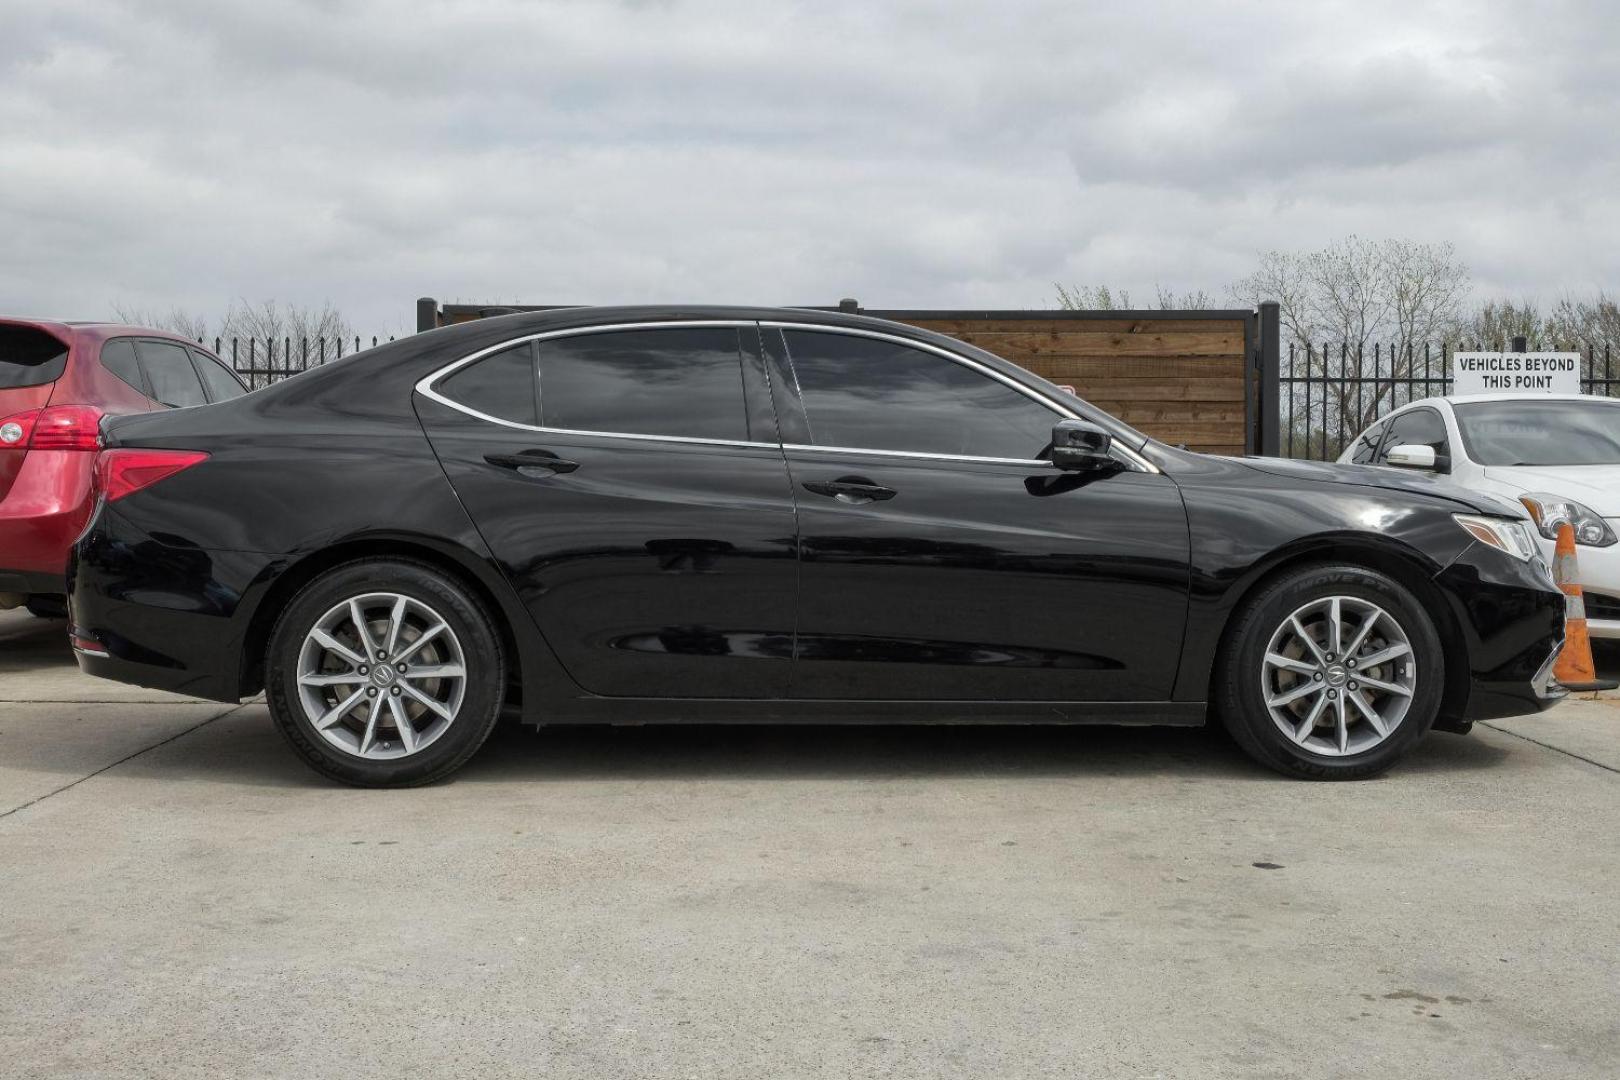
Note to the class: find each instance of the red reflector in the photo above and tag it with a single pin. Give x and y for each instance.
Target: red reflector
(125, 471)
(67, 427)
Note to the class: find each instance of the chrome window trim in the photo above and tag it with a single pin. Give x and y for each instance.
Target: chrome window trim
(426, 387)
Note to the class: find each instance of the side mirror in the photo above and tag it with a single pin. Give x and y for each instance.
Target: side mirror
(1411, 457)
(1081, 447)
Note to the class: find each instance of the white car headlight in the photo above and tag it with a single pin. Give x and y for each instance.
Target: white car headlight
(1505, 534)
(1551, 511)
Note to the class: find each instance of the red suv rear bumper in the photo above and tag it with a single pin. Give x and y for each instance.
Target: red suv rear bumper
(40, 517)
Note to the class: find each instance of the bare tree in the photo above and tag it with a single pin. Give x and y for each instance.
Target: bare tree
(1102, 298)
(1356, 305)
(176, 321)
(1495, 323)
(277, 322)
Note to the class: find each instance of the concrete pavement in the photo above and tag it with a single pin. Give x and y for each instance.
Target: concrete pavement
(179, 897)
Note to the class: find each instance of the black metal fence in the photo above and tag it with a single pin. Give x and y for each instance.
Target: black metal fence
(1328, 393)
(262, 361)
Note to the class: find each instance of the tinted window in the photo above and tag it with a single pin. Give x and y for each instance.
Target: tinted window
(221, 384)
(1366, 446)
(1420, 427)
(647, 382)
(501, 385)
(118, 357)
(879, 395)
(168, 369)
(29, 357)
(1541, 432)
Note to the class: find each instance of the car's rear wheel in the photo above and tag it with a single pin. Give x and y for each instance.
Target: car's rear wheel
(1331, 672)
(385, 673)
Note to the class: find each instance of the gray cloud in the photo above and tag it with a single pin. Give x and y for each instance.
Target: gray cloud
(186, 152)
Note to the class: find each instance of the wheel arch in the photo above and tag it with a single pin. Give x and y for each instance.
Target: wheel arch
(460, 566)
(1403, 564)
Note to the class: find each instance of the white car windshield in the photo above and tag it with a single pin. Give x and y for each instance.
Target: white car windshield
(1540, 432)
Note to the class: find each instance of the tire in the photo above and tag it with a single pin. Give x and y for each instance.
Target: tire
(1269, 676)
(390, 736)
(45, 606)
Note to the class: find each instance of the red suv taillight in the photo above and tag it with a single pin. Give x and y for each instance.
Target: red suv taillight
(123, 471)
(59, 427)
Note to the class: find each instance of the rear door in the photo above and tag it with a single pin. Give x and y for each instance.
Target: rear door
(31, 361)
(631, 484)
(943, 558)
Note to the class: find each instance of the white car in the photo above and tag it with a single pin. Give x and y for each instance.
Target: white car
(1557, 454)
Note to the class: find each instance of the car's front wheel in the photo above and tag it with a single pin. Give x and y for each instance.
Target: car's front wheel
(385, 673)
(1330, 672)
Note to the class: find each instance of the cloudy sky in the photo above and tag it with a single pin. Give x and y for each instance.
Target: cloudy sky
(168, 153)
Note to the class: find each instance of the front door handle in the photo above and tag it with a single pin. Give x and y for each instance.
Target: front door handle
(851, 490)
(532, 459)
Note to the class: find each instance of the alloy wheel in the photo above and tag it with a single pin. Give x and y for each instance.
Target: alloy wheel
(381, 676)
(1338, 676)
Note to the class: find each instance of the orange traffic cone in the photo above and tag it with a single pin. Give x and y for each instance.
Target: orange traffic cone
(1574, 668)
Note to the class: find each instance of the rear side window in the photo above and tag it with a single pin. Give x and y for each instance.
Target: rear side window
(168, 368)
(872, 394)
(118, 357)
(220, 383)
(684, 382)
(500, 385)
(29, 357)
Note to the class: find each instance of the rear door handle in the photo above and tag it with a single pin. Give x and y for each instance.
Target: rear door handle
(852, 490)
(532, 459)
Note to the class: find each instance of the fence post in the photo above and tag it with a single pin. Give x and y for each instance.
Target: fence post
(1270, 364)
(427, 314)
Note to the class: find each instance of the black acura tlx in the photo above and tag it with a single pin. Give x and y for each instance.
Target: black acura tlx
(749, 515)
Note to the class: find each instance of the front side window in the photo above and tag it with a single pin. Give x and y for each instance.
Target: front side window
(684, 382)
(168, 368)
(1366, 446)
(874, 394)
(1420, 427)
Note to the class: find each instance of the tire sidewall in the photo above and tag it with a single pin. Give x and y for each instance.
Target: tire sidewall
(1243, 703)
(480, 645)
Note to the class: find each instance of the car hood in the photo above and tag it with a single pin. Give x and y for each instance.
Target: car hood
(1384, 478)
(1598, 486)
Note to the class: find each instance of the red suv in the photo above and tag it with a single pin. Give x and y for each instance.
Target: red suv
(57, 380)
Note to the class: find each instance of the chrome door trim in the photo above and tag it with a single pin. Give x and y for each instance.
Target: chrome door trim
(426, 387)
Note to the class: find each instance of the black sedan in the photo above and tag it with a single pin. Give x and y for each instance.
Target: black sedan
(635, 515)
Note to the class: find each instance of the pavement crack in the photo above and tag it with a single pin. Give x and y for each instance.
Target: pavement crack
(127, 757)
(1550, 746)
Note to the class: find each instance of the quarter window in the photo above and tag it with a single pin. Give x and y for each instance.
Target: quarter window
(1367, 445)
(118, 357)
(881, 395)
(500, 385)
(168, 368)
(684, 382)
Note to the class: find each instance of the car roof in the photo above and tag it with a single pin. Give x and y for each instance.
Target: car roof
(1468, 399)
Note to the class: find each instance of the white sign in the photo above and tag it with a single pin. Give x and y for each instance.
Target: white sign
(1494, 372)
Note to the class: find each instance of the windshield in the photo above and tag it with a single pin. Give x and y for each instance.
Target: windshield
(1541, 432)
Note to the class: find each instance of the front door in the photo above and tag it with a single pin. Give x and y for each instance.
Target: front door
(942, 559)
(631, 485)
